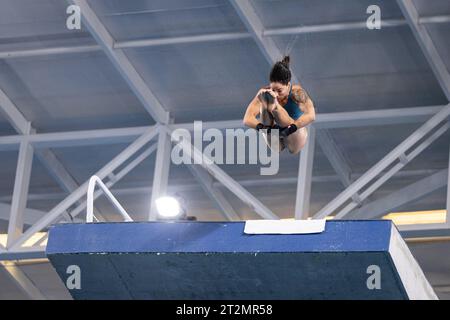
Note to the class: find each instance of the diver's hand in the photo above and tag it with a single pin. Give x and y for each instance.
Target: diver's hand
(288, 130)
(261, 126)
(268, 96)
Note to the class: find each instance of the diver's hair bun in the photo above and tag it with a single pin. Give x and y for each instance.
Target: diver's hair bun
(280, 71)
(286, 60)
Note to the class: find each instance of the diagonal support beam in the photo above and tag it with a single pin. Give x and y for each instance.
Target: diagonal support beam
(387, 161)
(304, 183)
(414, 191)
(46, 156)
(403, 161)
(337, 160)
(23, 170)
(122, 63)
(13, 115)
(53, 214)
(56, 169)
(161, 172)
(30, 215)
(250, 18)
(221, 176)
(116, 177)
(20, 193)
(216, 196)
(24, 283)
(426, 43)
(61, 176)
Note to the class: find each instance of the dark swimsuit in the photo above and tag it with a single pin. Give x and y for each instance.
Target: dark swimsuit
(294, 111)
(292, 107)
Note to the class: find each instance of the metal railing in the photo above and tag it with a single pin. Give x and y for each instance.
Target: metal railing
(90, 200)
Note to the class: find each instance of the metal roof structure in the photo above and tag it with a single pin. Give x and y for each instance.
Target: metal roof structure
(74, 103)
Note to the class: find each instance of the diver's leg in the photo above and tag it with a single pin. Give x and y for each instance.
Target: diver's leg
(297, 140)
(267, 119)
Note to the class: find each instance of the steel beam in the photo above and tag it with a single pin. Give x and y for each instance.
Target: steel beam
(434, 19)
(388, 160)
(160, 173)
(337, 159)
(22, 281)
(86, 137)
(250, 18)
(48, 159)
(144, 189)
(304, 179)
(61, 175)
(80, 191)
(49, 51)
(426, 43)
(221, 176)
(216, 196)
(352, 119)
(116, 177)
(142, 43)
(122, 63)
(13, 115)
(57, 170)
(403, 161)
(181, 40)
(412, 192)
(23, 254)
(30, 216)
(379, 117)
(20, 194)
(332, 27)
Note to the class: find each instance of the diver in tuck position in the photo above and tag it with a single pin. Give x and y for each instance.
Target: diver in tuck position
(284, 106)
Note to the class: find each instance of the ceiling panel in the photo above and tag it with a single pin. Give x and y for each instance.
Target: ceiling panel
(290, 13)
(440, 33)
(142, 19)
(8, 160)
(5, 127)
(366, 146)
(205, 81)
(71, 92)
(432, 7)
(31, 24)
(363, 69)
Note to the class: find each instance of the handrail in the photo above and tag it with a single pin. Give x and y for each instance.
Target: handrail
(90, 200)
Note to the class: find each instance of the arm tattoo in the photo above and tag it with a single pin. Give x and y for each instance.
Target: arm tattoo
(300, 96)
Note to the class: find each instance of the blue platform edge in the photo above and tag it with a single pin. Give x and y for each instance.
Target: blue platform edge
(220, 237)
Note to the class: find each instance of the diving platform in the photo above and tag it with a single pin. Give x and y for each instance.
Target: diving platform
(352, 260)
